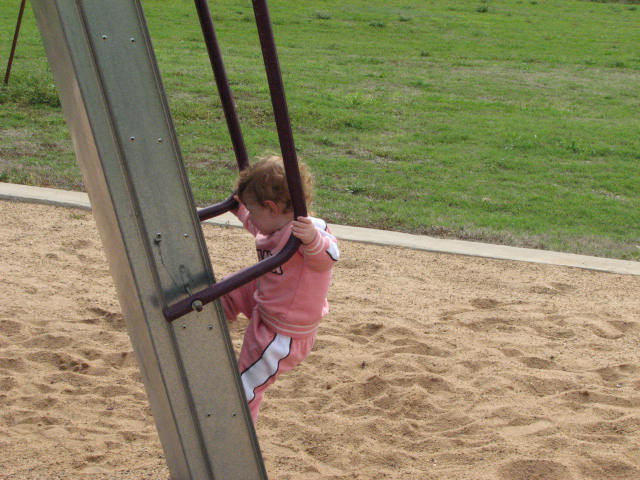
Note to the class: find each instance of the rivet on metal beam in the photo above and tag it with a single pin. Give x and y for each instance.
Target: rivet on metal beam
(104, 37)
(197, 305)
(132, 40)
(158, 238)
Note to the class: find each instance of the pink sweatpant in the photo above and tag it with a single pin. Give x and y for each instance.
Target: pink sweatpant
(265, 354)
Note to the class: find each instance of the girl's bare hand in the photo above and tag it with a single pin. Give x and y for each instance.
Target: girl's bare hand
(304, 230)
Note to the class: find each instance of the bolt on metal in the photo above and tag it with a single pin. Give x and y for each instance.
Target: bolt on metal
(197, 305)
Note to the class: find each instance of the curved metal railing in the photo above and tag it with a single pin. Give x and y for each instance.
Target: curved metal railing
(287, 146)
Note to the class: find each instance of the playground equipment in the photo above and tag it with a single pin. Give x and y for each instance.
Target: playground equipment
(14, 43)
(113, 100)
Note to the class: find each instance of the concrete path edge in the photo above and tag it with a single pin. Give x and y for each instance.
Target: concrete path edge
(71, 199)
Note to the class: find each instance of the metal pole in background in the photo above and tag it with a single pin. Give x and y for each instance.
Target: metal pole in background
(15, 42)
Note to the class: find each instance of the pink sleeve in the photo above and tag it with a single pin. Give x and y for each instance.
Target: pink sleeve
(322, 252)
(243, 215)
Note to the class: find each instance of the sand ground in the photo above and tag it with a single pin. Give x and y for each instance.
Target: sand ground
(429, 366)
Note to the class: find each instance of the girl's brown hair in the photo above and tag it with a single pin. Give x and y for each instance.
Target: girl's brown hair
(266, 180)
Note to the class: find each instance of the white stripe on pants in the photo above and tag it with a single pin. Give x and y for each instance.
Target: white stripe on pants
(266, 366)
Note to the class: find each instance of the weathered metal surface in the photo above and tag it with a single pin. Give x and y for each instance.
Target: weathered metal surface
(113, 100)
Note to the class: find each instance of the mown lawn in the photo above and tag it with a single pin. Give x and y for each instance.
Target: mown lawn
(506, 121)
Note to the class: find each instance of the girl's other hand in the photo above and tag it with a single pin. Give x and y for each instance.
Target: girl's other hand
(304, 230)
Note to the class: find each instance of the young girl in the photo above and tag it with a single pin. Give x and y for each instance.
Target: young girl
(284, 306)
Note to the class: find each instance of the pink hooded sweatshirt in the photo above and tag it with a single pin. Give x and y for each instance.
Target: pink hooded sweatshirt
(293, 298)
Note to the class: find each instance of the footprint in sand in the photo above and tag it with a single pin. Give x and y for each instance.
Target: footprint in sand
(414, 347)
(49, 341)
(553, 332)
(10, 328)
(624, 326)
(7, 384)
(61, 361)
(42, 403)
(511, 352)
(562, 287)
(484, 303)
(120, 360)
(538, 363)
(428, 383)
(354, 393)
(492, 323)
(617, 430)
(69, 379)
(619, 373)
(112, 319)
(80, 244)
(542, 387)
(12, 364)
(554, 288)
(534, 470)
(113, 391)
(577, 399)
(40, 420)
(74, 247)
(362, 332)
(131, 436)
(603, 467)
(602, 328)
(367, 329)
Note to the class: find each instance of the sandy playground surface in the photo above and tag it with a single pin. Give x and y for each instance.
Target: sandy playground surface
(430, 366)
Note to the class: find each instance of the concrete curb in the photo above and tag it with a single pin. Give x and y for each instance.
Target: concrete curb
(64, 198)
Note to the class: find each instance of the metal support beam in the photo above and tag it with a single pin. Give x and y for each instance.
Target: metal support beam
(113, 100)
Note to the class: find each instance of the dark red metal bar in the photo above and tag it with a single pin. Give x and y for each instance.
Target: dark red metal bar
(211, 211)
(15, 42)
(280, 110)
(285, 136)
(228, 105)
(209, 294)
(226, 97)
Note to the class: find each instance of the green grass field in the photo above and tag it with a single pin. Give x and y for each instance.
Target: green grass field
(506, 121)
